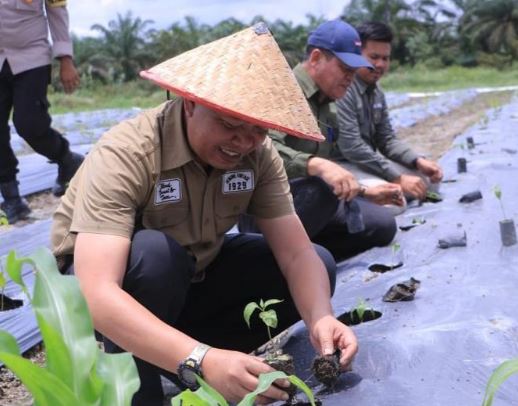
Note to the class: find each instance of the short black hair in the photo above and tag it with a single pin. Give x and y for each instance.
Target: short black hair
(374, 31)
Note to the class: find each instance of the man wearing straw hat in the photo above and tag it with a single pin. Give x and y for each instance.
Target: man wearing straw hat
(336, 211)
(143, 224)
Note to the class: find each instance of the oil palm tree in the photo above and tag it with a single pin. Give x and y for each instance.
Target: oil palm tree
(125, 44)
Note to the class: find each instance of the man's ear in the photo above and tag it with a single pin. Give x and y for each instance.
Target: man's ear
(188, 106)
(315, 55)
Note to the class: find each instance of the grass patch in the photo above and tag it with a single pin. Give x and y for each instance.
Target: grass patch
(120, 95)
(420, 78)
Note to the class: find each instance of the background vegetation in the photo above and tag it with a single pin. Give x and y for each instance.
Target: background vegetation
(438, 45)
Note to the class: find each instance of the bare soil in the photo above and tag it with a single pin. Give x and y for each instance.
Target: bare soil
(433, 137)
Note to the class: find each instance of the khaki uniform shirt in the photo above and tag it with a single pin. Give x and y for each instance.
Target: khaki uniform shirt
(366, 135)
(296, 151)
(144, 169)
(24, 32)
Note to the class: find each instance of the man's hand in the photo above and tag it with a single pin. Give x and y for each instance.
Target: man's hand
(430, 169)
(234, 375)
(412, 185)
(385, 193)
(343, 182)
(329, 334)
(68, 74)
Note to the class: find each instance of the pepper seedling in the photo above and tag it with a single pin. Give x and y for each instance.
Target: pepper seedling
(269, 317)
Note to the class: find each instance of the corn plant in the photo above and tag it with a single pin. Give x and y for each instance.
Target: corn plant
(395, 247)
(269, 317)
(498, 194)
(3, 219)
(77, 371)
(206, 395)
(499, 375)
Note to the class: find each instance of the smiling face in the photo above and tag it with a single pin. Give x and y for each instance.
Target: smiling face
(378, 54)
(331, 75)
(219, 140)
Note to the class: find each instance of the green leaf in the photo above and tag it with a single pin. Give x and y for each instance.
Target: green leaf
(8, 343)
(119, 374)
(188, 398)
(497, 191)
(299, 383)
(3, 280)
(261, 304)
(247, 313)
(59, 301)
(13, 266)
(46, 389)
(269, 317)
(59, 362)
(499, 375)
(265, 381)
(272, 302)
(209, 394)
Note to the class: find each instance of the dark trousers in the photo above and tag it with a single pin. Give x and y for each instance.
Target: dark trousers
(26, 95)
(333, 223)
(159, 277)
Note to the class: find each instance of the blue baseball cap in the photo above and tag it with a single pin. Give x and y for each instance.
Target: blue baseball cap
(342, 40)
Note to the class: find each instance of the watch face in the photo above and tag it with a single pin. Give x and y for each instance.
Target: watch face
(187, 372)
(189, 376)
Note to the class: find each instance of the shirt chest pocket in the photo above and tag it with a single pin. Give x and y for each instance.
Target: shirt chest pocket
(227, 209)
(377, 113)
(29, 6)
(165, 216)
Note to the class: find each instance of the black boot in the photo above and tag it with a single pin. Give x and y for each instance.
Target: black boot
(14, 207)
(67, 167)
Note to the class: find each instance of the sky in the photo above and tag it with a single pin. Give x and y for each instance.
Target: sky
(83, 14)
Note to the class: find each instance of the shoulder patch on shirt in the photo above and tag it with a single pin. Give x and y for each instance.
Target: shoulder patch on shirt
(168, 190)
(57, 3)
(237, 181)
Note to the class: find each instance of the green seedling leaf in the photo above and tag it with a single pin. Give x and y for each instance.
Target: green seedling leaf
(497, 191)
(360, 309)
(13, 267)
(209, 394)
(395, 247)
(270, 302)
(46, 389)
(4, 221)
(249, 310)
(3, 280)
(118, 378)
(8, 343)
(188, 398)
(266, 380)
(269, 317)
(299, 383)
(58, 300)
(499, 375)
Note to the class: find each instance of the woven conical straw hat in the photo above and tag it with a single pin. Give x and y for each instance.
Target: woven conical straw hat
(243, 75)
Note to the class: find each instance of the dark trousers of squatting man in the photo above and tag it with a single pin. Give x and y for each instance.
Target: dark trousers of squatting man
(159, 277)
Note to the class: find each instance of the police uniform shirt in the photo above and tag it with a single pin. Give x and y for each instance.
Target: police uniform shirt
(144, 169)
(24, 32)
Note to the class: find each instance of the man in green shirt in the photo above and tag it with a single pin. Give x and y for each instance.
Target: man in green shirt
(367, 139)
(325, 194)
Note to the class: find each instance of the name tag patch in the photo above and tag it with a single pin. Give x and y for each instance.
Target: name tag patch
(168, 190)
(238, 181)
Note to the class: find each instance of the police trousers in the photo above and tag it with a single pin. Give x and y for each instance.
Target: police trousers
(159, 275)
(25, 94)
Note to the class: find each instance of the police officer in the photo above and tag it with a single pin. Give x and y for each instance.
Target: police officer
(25, 58)
(144, 224)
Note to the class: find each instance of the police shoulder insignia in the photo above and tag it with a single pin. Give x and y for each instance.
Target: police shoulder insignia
(56, 3)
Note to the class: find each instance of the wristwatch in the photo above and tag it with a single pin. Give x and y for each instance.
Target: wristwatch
(191, 366)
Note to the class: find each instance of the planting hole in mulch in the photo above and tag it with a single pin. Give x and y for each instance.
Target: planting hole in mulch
(6, 303)
(353, 317)
(382, 268)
